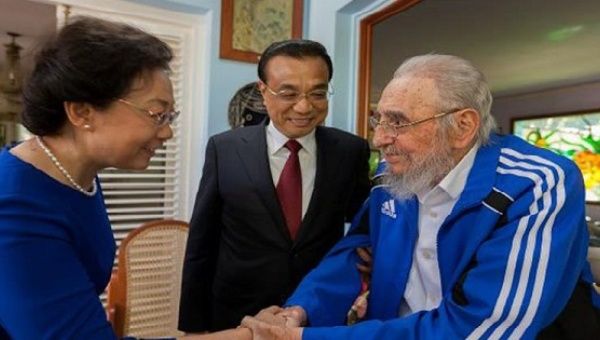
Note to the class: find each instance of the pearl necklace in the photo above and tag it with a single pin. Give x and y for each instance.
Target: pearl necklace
(64, 171)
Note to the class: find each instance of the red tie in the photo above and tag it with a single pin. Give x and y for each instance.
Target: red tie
(289, 189)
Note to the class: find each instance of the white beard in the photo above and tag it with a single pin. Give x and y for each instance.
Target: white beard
(424, 172)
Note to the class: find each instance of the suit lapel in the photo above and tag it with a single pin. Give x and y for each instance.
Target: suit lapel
(253, 152)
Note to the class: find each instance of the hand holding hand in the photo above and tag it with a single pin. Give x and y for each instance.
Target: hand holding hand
(228, 334)
(295, 316)
(262, 330)
(272, 316)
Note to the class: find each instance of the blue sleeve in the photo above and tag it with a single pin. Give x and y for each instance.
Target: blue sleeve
(524, 274)
(45, 292)
(328, 291)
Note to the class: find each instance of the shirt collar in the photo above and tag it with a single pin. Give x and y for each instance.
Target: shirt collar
(451, 186)
(455, 180)
(277, 140)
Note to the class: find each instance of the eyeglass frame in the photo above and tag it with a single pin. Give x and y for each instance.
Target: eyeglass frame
(158, 117)
(375, 123)
(278, 94)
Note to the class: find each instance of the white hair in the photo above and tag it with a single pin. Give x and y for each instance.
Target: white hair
(459, 84)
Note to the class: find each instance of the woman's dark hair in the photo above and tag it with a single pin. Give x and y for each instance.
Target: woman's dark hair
(89, 61)
(295, 48)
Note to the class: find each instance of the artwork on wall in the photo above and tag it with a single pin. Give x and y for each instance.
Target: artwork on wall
(573, 135)
(249, 26)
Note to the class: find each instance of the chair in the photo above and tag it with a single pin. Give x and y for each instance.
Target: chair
(143, 294)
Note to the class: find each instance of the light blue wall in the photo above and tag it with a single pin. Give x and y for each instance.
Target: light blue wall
(320, 25)
(335, 23)
(226, 76)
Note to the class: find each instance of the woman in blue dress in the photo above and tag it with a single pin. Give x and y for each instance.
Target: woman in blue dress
(99, 96)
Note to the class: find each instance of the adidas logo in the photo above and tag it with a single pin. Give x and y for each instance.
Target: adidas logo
(389, 208)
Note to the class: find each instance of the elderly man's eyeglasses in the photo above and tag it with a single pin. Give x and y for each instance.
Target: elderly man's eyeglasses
(160, 118)
(392, 129)
(318, 96)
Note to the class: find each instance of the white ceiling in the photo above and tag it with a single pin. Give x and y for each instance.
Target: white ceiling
(33, 20)
(520, 45)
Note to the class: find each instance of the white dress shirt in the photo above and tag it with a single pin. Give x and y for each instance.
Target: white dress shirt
(278, 155)
(424, 289)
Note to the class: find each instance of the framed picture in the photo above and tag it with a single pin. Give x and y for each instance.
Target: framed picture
(249, 26)
(573, 135)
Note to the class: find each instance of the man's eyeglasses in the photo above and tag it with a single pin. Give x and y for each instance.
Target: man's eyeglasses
(160, 118)
(318, 96)
(392, 129)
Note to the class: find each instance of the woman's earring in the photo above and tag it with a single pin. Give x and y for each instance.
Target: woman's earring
(87, 126)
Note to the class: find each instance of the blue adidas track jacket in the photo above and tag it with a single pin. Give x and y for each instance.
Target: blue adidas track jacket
(513, 278)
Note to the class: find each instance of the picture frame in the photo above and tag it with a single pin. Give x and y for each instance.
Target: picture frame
(249, 26)
(575, 135)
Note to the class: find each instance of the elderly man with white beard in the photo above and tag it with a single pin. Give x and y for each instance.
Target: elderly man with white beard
(473, 234)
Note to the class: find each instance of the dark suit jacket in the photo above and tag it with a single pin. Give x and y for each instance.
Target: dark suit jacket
(240, 257)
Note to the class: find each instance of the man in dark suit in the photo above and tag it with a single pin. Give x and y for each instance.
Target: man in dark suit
(273, 198)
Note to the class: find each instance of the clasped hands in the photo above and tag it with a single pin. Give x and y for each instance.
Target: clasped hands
(272, 323)
(276, 323)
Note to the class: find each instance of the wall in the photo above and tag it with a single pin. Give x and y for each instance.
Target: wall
(226, 76)
(335, 24)
(561, 100)
(319, 25)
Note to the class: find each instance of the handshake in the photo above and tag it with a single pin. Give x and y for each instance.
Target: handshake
(276, 323)
(272, 323)
(286, 323)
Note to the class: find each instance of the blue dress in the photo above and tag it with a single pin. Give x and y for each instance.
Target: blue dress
(56, 256)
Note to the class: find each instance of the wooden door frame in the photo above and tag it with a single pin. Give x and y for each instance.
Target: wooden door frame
(365, 57)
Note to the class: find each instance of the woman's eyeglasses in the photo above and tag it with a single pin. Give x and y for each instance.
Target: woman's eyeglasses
(160, 118)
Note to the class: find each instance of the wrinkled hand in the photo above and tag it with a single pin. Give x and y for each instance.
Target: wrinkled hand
(295, 316)
(276, 323)
(228, 334)
(264, 331)
(359, 308)
(271, 315)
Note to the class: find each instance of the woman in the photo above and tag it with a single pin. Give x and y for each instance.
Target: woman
(99, 96)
